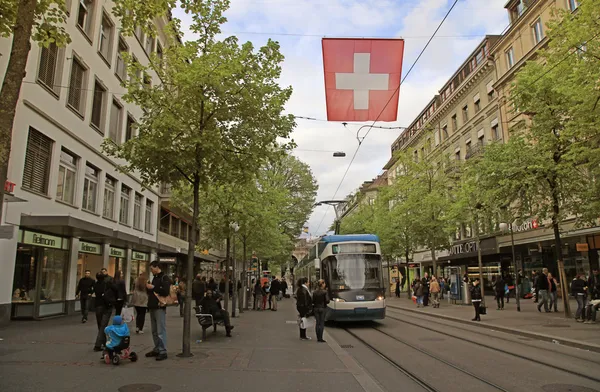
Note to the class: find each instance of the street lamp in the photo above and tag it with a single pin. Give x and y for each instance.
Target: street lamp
(235, 227)
(504, 226)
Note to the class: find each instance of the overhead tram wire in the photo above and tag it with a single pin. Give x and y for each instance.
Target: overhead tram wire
(388, 102)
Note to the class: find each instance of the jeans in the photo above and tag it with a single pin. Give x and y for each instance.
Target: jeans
(581, 302)
(500, 300)
(85, 306)
(102, 319)
(419, 300)
(158, 321)
(476, 305)
(320, 322)
(140, 316)
(543, 299)
(553, 301)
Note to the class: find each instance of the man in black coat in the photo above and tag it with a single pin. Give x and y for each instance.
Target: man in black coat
(274, 293)
(198, 289)
(210, 304)
(160, 286)
(85, 289)
(106, 297)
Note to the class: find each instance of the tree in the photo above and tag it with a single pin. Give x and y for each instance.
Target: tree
(359, 220)
(215, 119)
(43, 22)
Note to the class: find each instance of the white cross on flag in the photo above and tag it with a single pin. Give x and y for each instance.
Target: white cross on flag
(362, 76)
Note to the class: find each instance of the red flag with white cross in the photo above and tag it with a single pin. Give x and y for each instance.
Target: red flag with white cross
(362, 78)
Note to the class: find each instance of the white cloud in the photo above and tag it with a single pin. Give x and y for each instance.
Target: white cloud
(303, 70)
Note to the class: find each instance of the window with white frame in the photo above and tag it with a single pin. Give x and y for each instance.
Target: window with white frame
(105, 42)
(90, 188)
(510, 57)
(121, 67)
(538, 31)
(124, 205)
(77, 84)
(98, 106)
(148, 217)
(37, 162)
(129, 128)
(50, 66)
(573, 4)
(85, 16)
(109, 198)
(137, 211)
(116, 119)
(67, 176)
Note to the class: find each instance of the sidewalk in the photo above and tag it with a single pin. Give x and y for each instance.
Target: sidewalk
(56, 355)
(528, 322)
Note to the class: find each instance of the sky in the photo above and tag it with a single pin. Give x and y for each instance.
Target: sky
(299, 25)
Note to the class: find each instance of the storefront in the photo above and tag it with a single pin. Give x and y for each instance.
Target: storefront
(140, 265)
(116, 260)
(89, 258)
(41, 268)
(170, 266)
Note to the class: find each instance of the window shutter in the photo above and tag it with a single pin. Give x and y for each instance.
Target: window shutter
(48, 60)
(37, 162)
(75, 86)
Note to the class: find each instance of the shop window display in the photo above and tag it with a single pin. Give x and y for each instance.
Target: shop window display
(39, 273)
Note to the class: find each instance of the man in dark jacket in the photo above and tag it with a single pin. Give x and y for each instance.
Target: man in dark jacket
(198, 289)
(284, 287)
(542, 286)
(274, 293)
(106, 296)
(161, 286)
(210, 304)
(85, 289)
(594, 284)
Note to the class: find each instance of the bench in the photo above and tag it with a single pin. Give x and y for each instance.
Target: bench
(206, 320)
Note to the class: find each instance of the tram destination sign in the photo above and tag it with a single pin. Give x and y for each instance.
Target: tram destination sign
(353, 248)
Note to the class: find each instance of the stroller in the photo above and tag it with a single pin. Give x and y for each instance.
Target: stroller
(117, 343)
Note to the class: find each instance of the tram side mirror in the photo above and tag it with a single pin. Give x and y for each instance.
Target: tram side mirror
(317, 263)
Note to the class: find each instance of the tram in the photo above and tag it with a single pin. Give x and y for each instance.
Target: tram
(351, 267)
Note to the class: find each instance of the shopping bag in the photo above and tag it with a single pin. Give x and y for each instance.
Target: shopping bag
(414, 299)
(306, 322)
(127, 314)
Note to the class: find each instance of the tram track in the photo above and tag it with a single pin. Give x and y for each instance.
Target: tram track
(410, 374)
(491, 347)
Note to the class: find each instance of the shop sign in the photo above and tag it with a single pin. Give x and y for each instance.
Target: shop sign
(467, 247)
(584, 247)
(9, 187)
(139, 256)
(49, 241)
(117, 252)
(530, 224)
(168, 259)
(88, 247)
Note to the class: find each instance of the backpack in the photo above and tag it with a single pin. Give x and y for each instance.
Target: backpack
(171, 299)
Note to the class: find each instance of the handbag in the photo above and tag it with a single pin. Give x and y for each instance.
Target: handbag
(170, 299)
(127, 314)
(306, 322)
(482, 310)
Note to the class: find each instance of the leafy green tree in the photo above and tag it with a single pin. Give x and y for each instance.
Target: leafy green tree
(43, 22)
(214, 120)
(359, 220)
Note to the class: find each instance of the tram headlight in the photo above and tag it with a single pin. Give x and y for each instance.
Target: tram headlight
(380, 298)
(339, 300)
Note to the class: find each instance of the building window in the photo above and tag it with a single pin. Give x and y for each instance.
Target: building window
(573, 4)
(480, 141)
(174, 227)
(85, 16)
(67, 175)
(90, 188)
(124, 205)
(49, 71)
(106, 37)
(37, 162)
(465, 113)
(76, 86)
(457, 155)
(116, 116)
(129, 128)
(510, 57)
(137, 211)
(454, 123)
(477, 103)
(183, 233)
(490, 91)
(416, 156)
(495, 131)
(165, 219)
(149, 44)
(468, 145)
(98, 105)
(538, 31)
(148, 217)
(109, 198)
(121, 67)
(159, 52)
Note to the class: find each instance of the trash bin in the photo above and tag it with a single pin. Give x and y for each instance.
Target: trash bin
(466, 294)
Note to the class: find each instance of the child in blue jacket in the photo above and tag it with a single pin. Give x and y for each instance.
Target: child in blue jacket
(115, 336)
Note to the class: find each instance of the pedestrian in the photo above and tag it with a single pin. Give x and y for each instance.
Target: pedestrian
(181, 292)
(303, 305)
(397, 290)
(542, 286)
(579, 291)
(121, 292)
(476, 298)
(212, 285)
(284, 287)
(426, 281)
(442, 283)
(106, 296)
(211, 304)
(274, 292)
(418, 289)
(85, 289)
(320, 301)
(594, 284)
(511, 286)
(139, 301)
(553, 293)
(265, 296)
(160, 286)
(198, 289)
(222, 287)
(499, 290)
(435, 289)
(534, 279)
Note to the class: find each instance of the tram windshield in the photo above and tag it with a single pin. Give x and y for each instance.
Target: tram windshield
(354, 271)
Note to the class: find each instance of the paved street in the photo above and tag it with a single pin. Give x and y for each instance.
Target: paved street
(407, 351)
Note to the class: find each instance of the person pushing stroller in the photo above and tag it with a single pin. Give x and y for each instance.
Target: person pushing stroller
(118, 340)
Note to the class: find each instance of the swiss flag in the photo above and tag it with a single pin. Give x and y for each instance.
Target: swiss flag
(361, 76)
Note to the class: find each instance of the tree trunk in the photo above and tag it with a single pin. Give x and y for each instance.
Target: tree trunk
(406, 272)
(227, 264)
(434, 260)
(187, 314)
(244, 278)
(234, 280)
(561, 264)
(11, 86)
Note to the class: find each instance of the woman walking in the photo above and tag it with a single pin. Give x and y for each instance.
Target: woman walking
(476, 298)
(499, 288)
(121, 292)
(181, 290)
(320, 301)
(435, 289)
(303, 304)
(579, 291)
(140, 302)
(553, 291)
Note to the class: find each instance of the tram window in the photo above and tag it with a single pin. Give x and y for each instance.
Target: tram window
(354, 271)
